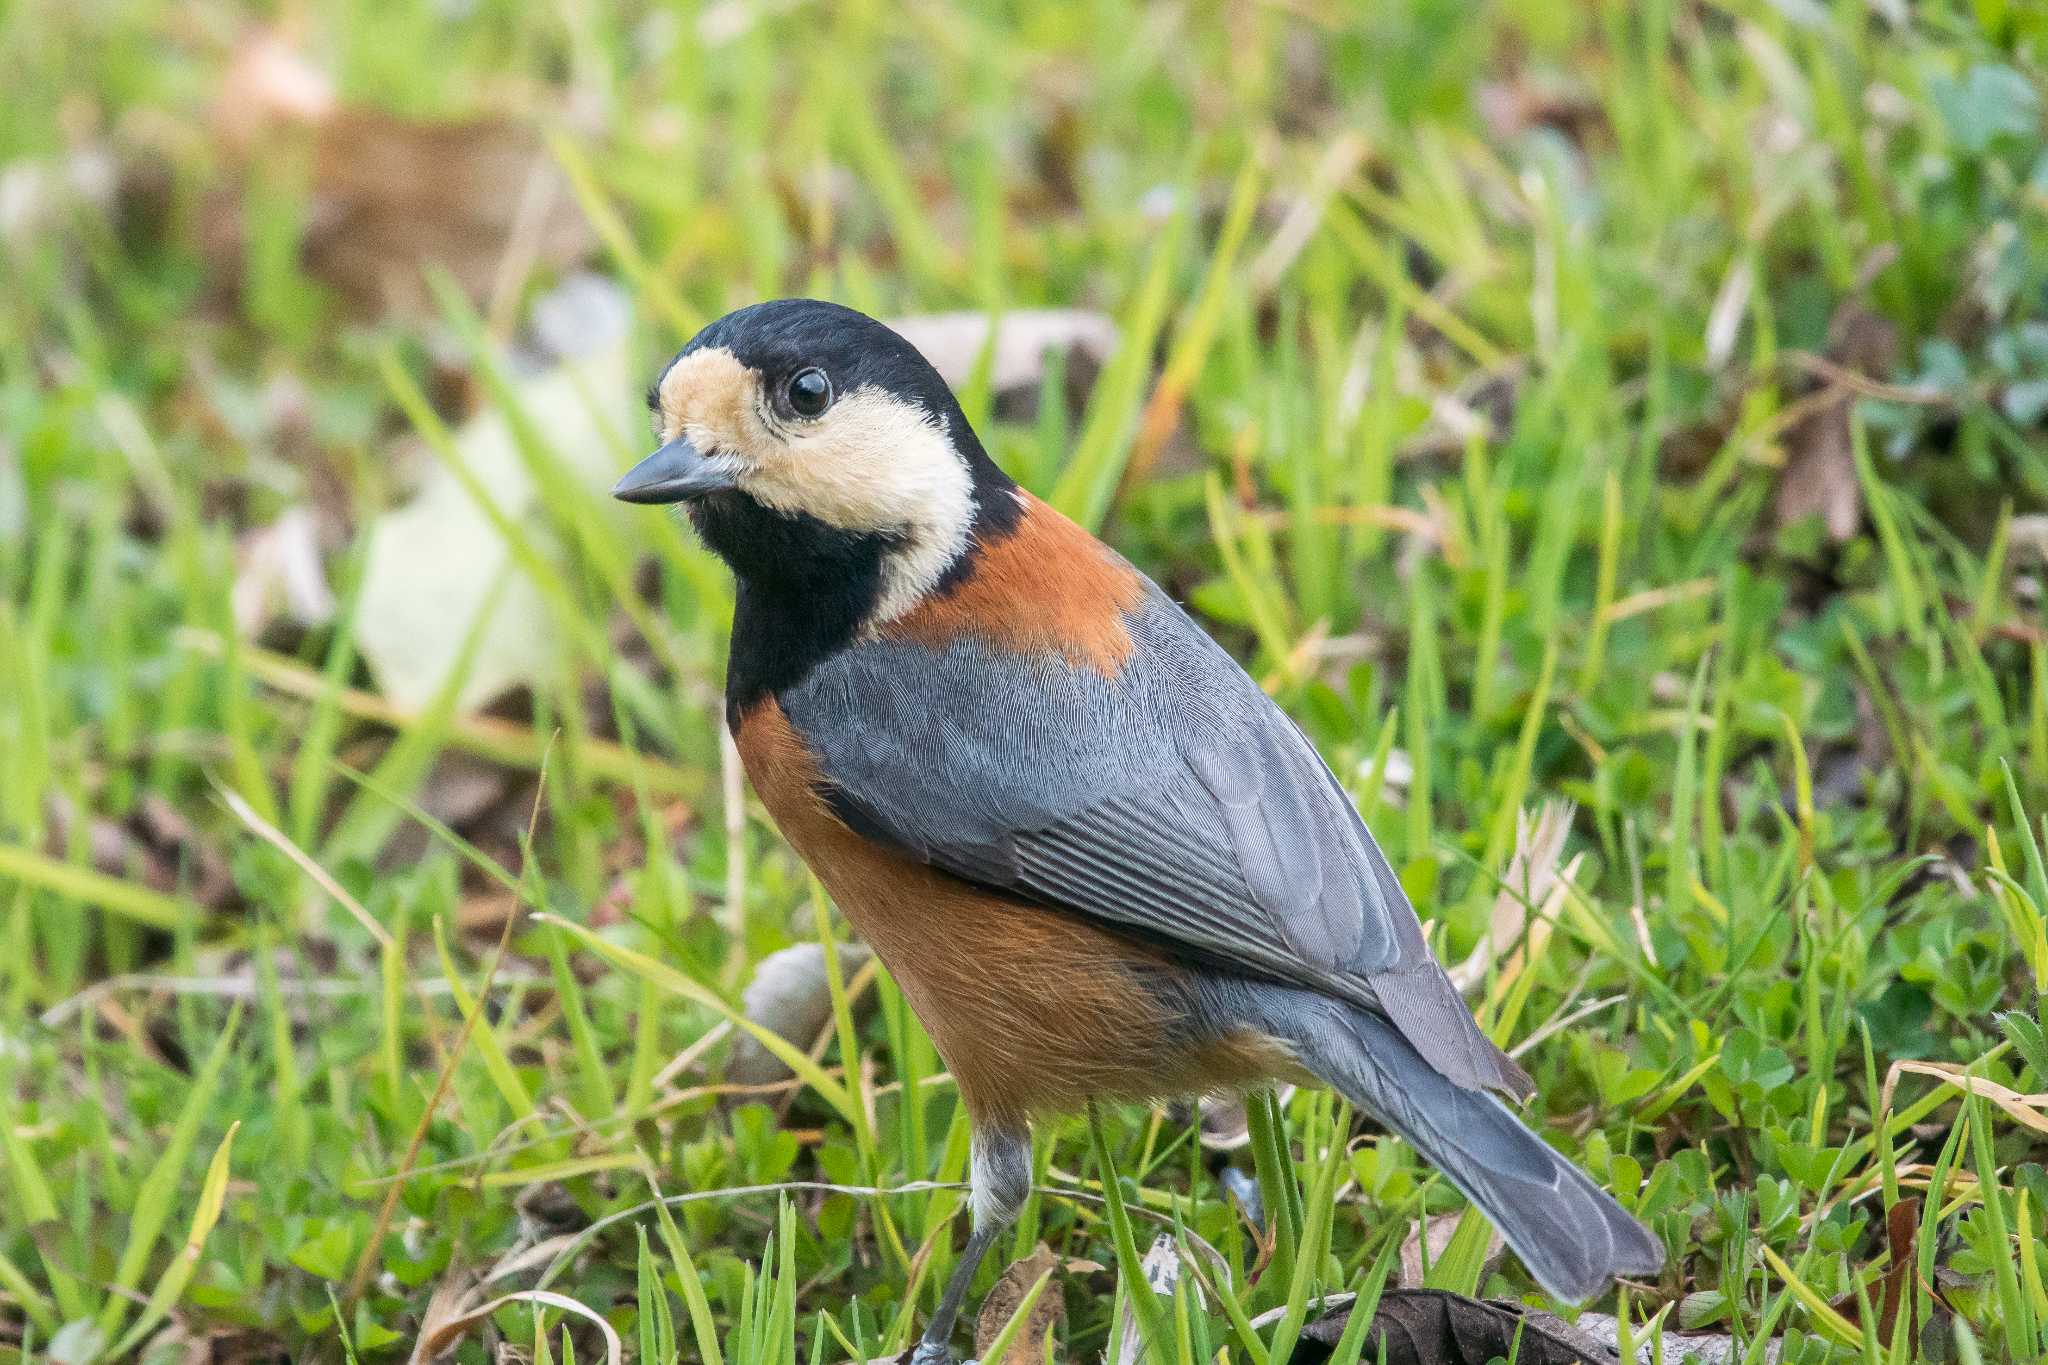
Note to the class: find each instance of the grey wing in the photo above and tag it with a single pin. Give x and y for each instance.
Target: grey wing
(1173, 801)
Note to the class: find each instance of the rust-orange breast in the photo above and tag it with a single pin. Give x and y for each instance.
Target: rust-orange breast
(1034, 1009)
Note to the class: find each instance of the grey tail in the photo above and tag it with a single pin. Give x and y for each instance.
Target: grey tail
(1568, 1231)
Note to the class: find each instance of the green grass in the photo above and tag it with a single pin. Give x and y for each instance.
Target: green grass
(1464, 347)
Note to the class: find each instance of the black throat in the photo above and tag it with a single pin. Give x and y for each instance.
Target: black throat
(807, 587)
(804, 589)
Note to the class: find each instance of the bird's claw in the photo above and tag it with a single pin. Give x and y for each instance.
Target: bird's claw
(935, 1353)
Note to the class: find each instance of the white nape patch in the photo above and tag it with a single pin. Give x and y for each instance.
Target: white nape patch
(872, 462)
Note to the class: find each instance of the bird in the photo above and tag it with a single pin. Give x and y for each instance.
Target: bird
(1098, 860)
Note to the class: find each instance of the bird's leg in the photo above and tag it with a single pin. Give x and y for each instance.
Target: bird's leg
(1001, 1180)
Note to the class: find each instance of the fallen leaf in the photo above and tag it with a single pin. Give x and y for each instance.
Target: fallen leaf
(1894, 1288)
(790, 995)
(1433, 1327)
(2030, 1110)
(1435, 1234)
(448, 1334)
(483, 200)
(436, 565)
(953, 343)
(388, 197)
(1819, 477)
(278, 572)
(454, 1294)
(1047, 1315)
(1696, 1348)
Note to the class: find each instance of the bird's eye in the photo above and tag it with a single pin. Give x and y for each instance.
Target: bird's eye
(810, 392)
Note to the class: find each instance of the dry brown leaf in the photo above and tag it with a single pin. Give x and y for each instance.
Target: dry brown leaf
(1819, 478)
(448, 1334)
(392, 197)
(2029, 1110)
(1902, 1240)
(1436, 1327)
(453, 1296)
(1435, 1232)
(1047, 1315)
(388, 197)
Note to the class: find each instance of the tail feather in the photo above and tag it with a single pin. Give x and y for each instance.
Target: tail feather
(1568, 1231)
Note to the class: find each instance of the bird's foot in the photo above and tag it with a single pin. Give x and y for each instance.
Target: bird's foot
(934, 1353)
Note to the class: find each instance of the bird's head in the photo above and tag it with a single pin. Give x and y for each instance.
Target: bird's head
(807, 441)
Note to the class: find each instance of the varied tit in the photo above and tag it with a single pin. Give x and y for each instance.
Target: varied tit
(1098, 860)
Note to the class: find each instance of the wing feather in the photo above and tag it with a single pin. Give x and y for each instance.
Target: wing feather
(1173, 801)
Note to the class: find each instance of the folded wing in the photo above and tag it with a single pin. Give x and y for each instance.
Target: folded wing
(1171, 800)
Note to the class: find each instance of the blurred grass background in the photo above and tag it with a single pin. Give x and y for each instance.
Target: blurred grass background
(1637, 406)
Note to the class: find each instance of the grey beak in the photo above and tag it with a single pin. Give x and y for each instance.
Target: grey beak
(676, 471)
